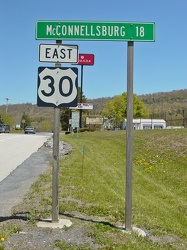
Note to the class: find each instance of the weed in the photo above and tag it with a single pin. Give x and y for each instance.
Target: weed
(69, 246)
(7, 231)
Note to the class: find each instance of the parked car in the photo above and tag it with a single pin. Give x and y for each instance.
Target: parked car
(4, 128)
(30, 129)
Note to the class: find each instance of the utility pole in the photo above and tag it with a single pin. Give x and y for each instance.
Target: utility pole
(7, 105)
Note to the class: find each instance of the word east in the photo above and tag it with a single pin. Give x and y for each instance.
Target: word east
(58, 53)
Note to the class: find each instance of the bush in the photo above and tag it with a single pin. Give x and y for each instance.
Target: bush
(83, 129)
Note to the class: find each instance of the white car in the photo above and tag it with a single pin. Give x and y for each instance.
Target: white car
(30, 129)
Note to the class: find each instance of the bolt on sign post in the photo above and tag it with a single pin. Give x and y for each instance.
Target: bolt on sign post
(107, 31)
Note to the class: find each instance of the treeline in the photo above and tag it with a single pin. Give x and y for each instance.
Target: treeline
(174, 101)
(171, 106)
(173, 97)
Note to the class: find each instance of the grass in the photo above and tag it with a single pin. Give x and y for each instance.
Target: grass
(159, 182)
(63, 245)
(92, 176)
(92, 188)
(6, 231)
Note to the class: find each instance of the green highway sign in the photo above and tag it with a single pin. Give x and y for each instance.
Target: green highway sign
(95, 31)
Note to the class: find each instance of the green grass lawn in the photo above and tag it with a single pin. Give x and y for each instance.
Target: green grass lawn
(92, 189)
(93, 184)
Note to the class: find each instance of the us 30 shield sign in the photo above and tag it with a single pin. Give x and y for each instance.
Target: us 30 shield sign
(57, 87)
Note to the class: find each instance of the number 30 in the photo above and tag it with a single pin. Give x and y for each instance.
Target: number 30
(52, 88)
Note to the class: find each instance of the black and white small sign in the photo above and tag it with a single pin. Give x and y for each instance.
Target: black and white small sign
(75, 119)
(58, 53)
(57, 87)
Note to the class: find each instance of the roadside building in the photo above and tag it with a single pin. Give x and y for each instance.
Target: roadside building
(139, 124)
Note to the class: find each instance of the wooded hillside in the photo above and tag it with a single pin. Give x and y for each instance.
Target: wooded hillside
(158, 103)
(35, 112)
(171, 106)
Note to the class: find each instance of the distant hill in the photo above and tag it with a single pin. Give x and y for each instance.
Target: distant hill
(98, 104)
(35, 112)
(168, 105)
(175, 96)
(162, 101)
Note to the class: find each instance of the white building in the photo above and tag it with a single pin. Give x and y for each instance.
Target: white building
(139, 124)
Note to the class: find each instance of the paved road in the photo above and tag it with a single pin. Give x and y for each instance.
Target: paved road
(22, 160)
(15, 148)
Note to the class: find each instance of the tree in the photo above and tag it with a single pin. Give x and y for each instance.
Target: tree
(45, 125)
(25, 121)
(1, 119)
(79, 96)
(65, 113)
(6, 118)
(117, 108)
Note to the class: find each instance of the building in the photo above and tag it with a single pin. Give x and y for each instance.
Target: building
(139, 124)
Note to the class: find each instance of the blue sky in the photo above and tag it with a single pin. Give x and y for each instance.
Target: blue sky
(159, 66)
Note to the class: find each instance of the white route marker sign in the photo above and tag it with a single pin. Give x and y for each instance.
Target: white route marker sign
(57, 87)
(58, 53)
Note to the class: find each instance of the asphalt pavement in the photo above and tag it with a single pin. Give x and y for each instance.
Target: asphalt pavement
(15, 148)
(15, 186)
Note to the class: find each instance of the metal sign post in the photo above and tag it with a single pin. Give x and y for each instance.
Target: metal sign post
(80, 125)
(129, 128)
(55, 172)
(84, 59)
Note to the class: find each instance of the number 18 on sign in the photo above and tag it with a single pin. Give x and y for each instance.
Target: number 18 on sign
(57, 87)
